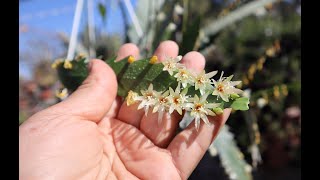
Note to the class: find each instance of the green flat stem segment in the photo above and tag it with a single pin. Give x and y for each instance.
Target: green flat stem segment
(137, 76)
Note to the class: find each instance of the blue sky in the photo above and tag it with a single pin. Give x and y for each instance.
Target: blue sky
(41, 14)
(47, 17)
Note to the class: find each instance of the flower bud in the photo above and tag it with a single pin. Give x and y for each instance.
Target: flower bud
(217, 110)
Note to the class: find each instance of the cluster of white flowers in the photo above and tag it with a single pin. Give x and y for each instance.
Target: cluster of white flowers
(178, 100)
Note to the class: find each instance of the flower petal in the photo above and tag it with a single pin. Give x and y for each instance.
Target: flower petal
(179, 58)
(171, 91)
(224, 97)
(197, 122)
(178, 89)
(234, 83)
(205, 119)
(202, 91)
(211, 74)
(155, 108)
(215, 93)
(212, 105)
(204, 97)
(179, 110)
(141, 105)
(171, 109)
(229, 78)
(160, 116)
(146, 109)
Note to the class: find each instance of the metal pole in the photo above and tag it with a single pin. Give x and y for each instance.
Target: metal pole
(75, 29)
(133, 17)
(91, 30)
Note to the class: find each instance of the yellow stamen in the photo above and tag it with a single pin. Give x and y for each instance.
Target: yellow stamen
(80, 56)
(260, 63)
(183, 73)
(198, 106)
(62, 94)
(284, 90)
(55, 64)
(245, 81)
(163, 100)
(252, 70)
(271, 52)
(131, 98)
(131, 59)
(153, 60)
(67, 64)
(257, 137)
(276, 92)
(176, 100)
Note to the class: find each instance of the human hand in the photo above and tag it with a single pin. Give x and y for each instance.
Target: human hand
(93, 135)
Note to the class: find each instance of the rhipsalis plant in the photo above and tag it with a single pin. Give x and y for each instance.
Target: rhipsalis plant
(162, 87)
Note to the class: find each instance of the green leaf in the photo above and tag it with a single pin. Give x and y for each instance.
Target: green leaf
(190, 35)
(159, 33)
(139, 75)
(72, 78)
(240, 104)
(119, 66)
(102, 11)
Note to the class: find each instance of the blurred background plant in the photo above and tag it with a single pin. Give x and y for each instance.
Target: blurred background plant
(257, 41)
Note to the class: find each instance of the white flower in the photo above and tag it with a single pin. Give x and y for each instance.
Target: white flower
(246, 93)
(171, 64)
(161, 104)
(212, 150)
(177, 100)
(185, 77)
(161, 16)
(178, 9)
(147, 99)
(261, 102)
(172, 26)
(255, 155)
(200, 108)
(224, 87)
(202, 81)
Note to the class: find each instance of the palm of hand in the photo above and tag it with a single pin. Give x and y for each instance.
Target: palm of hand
(126, 153)
(125, 144)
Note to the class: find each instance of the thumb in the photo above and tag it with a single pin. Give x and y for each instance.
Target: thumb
(93, 99)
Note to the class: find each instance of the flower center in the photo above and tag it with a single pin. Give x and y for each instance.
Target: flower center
(198, 106)
(170, 65)
(163, 100)
(220, 88)
(183, 74)
(149, 95)
(176, 100)
(200, 80)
